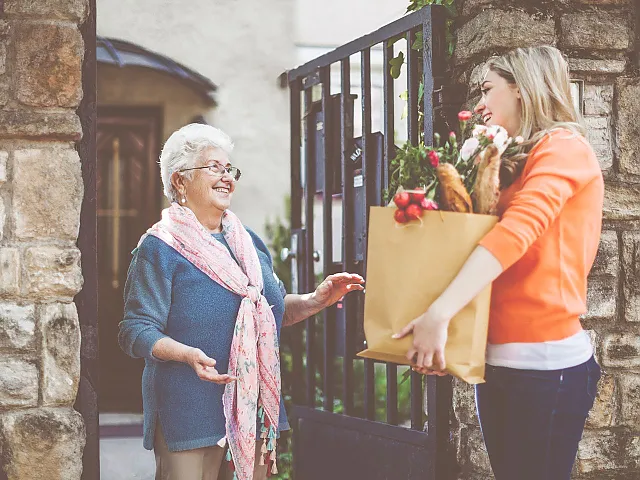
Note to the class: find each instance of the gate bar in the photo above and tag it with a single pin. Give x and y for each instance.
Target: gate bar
(310, 182)
(368, 175)
(328, 314)
(347, 231)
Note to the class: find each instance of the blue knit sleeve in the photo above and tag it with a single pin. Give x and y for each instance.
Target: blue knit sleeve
(147, 299)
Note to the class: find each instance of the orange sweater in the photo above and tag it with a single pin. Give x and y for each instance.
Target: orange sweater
(546, 241)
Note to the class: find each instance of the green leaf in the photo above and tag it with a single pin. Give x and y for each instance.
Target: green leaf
(420, 92)
(396, 65)
(405, 376)
(417, 44)
(404, 95)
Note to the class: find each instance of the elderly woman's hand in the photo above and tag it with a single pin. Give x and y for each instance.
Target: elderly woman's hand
(336, 286)
(204, 367)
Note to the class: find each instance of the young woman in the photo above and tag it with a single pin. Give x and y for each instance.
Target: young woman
(541, 377)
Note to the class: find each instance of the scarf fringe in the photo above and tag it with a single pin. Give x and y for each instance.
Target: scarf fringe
(268, 454)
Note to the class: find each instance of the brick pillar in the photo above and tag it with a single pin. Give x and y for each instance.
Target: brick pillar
(41, 190)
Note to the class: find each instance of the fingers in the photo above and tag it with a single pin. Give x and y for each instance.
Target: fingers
(210, 374)
(404, 332)
(205, 360)
(427, 360)
(438, 361)
(427, 371)
(346, 277)
(354, 286)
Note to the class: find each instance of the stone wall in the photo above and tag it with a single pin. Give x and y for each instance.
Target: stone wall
(41, 190)
(599, 39)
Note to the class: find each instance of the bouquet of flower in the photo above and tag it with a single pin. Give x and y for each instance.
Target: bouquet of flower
(448, 177)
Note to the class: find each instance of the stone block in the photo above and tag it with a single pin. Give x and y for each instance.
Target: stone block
(5, 28)
(595, 31)
(598, 452)
(630, 400)
(4, 157)
(628, 127)
(52, 272)
(3, 217)
(621, 202)
(631, 254)
(474, 454)
(9, 271)
(48, 65)
(18, 383)
(17, 326)
(47, 185)
(43, 443)
(4, 93)
(604, 67)
(621, 350)
(607, 259)
(602, 297)
(61, 353)
(599, 136)
(601, 415)
(598, 99)
(508, 30)
(3, 58)
(472, 6)
(64, 9)
(464, 402)
(603, 2)
(40, 125)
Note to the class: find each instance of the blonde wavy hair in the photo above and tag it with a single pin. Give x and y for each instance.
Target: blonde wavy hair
(542, 76)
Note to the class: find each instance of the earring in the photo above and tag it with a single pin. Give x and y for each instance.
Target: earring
(184, 200)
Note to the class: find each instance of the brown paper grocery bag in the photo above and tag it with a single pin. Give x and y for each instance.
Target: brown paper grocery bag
(408, 267)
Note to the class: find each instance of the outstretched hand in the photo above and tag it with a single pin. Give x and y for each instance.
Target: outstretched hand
(336, 286)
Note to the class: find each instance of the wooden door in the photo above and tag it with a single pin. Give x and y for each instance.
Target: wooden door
(129, 201)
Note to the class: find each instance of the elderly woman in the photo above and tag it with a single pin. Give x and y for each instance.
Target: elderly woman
(202, 299)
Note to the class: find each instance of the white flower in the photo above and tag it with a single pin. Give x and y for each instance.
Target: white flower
(501, 140)
(469, 148)
(479, 130)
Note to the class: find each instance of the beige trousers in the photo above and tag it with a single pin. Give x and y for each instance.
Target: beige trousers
(206, 463)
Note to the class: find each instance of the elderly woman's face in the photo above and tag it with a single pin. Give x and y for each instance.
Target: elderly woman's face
(208, 189)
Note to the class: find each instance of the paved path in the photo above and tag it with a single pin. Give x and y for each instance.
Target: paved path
(124, 458)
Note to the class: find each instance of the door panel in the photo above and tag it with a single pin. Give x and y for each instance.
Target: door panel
(129, 201)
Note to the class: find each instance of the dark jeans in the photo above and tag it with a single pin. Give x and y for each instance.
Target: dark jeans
(532, 420)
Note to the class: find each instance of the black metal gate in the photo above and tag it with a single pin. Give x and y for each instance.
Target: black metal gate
(348, 419)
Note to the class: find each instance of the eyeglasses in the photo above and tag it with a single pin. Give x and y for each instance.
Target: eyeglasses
(218, 169)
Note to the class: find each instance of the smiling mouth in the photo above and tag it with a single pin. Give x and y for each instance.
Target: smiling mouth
(486, 118)
(222, 190)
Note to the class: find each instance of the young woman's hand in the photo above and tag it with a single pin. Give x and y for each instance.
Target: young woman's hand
(429, 338)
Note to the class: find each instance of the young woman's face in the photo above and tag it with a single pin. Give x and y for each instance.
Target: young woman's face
(500, 103)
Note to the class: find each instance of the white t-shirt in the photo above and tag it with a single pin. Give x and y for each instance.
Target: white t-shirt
(553, 355)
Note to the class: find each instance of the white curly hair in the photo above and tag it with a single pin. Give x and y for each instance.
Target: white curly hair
(183, 149)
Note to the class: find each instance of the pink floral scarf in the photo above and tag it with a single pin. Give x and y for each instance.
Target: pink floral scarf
(254, 358)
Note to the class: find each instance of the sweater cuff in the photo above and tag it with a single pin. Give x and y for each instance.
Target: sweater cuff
(504, 245)
(143, 345)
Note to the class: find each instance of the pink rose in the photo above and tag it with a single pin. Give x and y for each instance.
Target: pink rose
(465, 116)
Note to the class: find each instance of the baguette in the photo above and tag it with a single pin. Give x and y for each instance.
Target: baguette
(453, 194)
